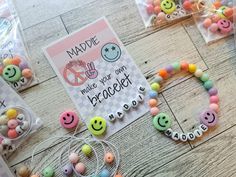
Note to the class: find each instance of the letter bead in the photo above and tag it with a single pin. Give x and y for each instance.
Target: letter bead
(141, 89)
(198, 133)
(134, 103)
(168, 132)
(19, 131)
(183, 137)
(15, 85)
(190, 136)
(175, 136)
(203, 127)
(111, 117)
(25, 125)
(119, 114)
(126, 107)
(23, 81)
(20, 117)
(140, 98)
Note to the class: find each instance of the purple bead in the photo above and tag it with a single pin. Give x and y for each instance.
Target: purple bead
(213, 91)
(23, 65)
(67, 169)
(209, 118)
(169, 68)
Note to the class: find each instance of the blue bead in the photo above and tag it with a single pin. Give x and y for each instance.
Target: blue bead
(105, 173)
(153, 94)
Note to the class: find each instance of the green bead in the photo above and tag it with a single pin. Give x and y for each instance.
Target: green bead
(11, 73)
(162, 122)
(48, 172)
(176, 66)
(208, 84)
(87, 150)
(155, 87)
(204, 77)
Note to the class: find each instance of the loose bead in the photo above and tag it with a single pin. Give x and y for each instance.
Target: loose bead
(48, 172)
(104, 173)
(3, 130)
(23, 65)
(12, 134)
(23, 171)
(11, 113)
(184, 66)
(156, 2)
(80, 168)
(176, 66)
(67, 169)
(109, 157)
(190, 136)
(73, 157)
(192, 68)
(87, 150)
(213, 28)
(25, 125)
(118, 175)
(161, 16)
(7, 61)
(213, 91)
(203, 128)
(217, 4)
(158, 79)
(12, 123)
(207, 23)
(183, 137)
(214, 99)
(150, 9)
(208, 84)
(35, 175)
(175, 136)
(152, 103)
(204, 77)
(215, 18)
(187, 5)
(214, 107)
(155, 87)
(27, 73)
(154, 111)
(198, 133)
(168, 132)
(3, 120)
(198, 73)
(19, 131)
(163, 73)
(157, 9)
(153, 94)
(16, 61)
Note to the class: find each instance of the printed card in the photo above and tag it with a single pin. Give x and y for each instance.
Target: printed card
(100, 77)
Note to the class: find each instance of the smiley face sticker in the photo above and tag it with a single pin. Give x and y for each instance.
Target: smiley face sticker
(162, 122)
(11, 73)
(168, 6)
(97, 126)
(69, 119)
(111, 52)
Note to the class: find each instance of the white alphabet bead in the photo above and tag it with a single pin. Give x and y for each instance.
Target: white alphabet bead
(19, 131)
(134, 103)
(11, 148)
(198, 133)
(175, 136)
(25, 125)
(15, 85)
(126, 107)
(140, 98)
(23, 81)
(168, 132)
(183, 137)
(6, 142)
(119, 114)
(20, 117)
(203, 127)
(191, 136)
(141, 89)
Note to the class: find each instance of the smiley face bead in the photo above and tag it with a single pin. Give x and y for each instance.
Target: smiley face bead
(69, 119)
(11, 73)
(168, 6)
(97, 126)
(225, 26)
(209, 118)
(162, 122)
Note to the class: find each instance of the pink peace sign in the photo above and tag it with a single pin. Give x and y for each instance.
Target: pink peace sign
(91, 72)
(74, 73)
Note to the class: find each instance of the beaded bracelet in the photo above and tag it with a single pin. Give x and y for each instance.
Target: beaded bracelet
(162, 121)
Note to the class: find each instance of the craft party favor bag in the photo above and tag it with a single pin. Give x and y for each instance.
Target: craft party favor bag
(17, 120)
(161, 12)
(15, 67)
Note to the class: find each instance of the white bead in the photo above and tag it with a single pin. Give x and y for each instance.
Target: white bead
(191, 136)
(168, 132)
(3, 120)
(15, 85)
(23, 81)
(183, 137)
(3, 130)
(11, 148)
(198, 133)
(203, 127)
(20, 117)
(25, 125)
(141, 89)
(134, 103)
(19, 131)
(126, 107)
(6, 142)
(158, 79)
(119, 114)
(140, 98)
(198, 73)
(175, 136)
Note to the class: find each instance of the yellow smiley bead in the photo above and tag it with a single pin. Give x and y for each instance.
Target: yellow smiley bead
(11, 113)
(192, 68)
(168, 6)
(97, 126)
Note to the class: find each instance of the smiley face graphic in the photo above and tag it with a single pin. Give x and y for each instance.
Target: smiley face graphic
(225, 26)
(11, 73)
(168, 6)
(111, 52)
(209, 118)
(97, 126)
(162, 122)
(69, 119)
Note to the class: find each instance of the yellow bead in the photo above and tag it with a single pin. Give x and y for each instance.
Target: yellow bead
(192, 68)
(168, 6)
(23, 171)
(6, 61)
(155, 87)
(11, 113)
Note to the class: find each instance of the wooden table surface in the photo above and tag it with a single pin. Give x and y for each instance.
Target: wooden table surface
(144, 151)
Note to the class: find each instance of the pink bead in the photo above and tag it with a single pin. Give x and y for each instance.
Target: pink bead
(215, 18)
(214, 99)
(80, 168)
(149, 1)
(12, 123)
(150, 9)
(69, 119)
(214, 107)
(161, 16)
(154, 111)
(207, 23)
(225, 26)
(157, 10)
(12, 133)
(213, 28)
(74, 158)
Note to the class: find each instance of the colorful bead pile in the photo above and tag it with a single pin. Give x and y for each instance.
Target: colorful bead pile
(162, 121)
(16, 71)
(13, 123)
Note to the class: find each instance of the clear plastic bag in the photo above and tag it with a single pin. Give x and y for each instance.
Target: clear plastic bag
(17, 120)
(216, 22)
(15, 67)
(161, 12)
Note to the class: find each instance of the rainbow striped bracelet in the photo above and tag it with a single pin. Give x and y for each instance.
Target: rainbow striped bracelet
(162, 121)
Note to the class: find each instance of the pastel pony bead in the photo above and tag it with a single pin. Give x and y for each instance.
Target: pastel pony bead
(163, 73)
(48, 172)
(87, 150)
(11, 113)
(104, 173)
(154, 111)
(153, 94)
(67, 169)
(23, 171)
(80, 168)
(74, 158)
(155, 87)
(109, 158)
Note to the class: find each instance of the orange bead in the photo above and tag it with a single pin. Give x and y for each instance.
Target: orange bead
(1, 69)
(109, 157)
(152, 103)
(12, 134)
(16, 61)
(187, 5)
(157, 10)
(163, 73)
(118, 175)
(217, 4)
(27, 73)
(229, 12)
(184, 65)
(35, 175)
